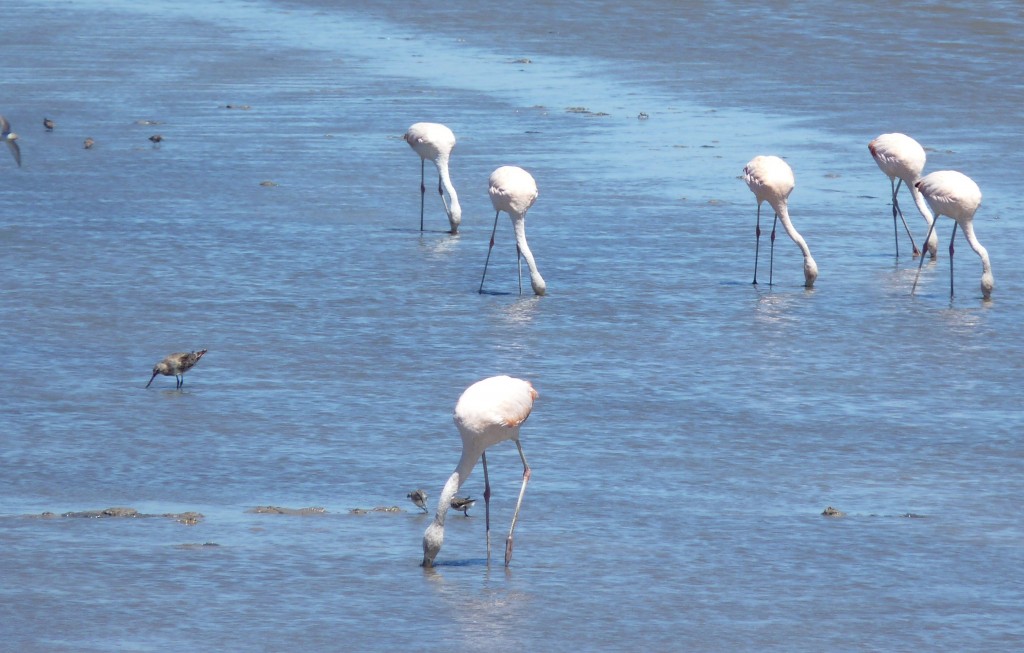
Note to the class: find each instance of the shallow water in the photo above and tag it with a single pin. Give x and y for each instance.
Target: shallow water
(691, 427)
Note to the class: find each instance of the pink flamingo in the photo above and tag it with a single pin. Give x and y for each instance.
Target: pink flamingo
(434, 141)
(902, 159)
(488, 412)
(513, 190)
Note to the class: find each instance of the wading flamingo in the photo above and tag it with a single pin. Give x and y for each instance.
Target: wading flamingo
(514, 191)
(902, 159)
(488, 412)
(9, 137)
(956, 195)
(770, 178)
(177, 365)
(434, 141)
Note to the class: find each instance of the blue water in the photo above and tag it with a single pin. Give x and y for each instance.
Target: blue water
(691, 427)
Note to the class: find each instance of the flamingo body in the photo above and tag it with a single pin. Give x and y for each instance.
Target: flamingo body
(902, 159)
(435, 142)
(488, 412)
(771, 180)
(513, 190)
(9, 137)
(954, 194)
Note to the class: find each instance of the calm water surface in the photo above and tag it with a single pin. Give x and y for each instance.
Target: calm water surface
(691, 427)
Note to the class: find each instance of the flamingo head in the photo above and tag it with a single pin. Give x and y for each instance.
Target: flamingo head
(988, 282)
(432, 540)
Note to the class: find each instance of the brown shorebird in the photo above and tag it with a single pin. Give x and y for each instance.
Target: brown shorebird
(177, 365)
(463, 504)
(48, 124)
(156, 138)
(419, 497)
(9, 137)
(88, 143)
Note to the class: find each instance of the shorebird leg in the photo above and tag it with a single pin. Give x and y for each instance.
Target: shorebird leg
(757, 241)
(771, 258)
(487, 505)
(519, 503)
(921, 262)
(489, 248)
(423, 191)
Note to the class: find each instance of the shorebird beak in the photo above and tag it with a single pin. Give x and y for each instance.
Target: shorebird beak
(151, 379)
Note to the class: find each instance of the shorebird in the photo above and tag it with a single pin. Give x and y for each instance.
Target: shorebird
(177, 365)
(435, 141)
(156, 138)
(953, 193)
(770, 178)
(48, 124)
(902, 159)
(88, 143)
(488, 412)
(419, 497)
(463, 504)
(513, 190)
(9, 137)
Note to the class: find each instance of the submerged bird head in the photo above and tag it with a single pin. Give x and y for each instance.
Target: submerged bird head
(433, 538)
(810, 272)
(988, 282)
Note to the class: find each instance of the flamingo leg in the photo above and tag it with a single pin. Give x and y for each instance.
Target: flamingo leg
(519, 265)
(519, 503)
(952, 238)
(440, 191)
(921, 262)
(757, 241)
(896, 210)
(487, 505)
(771, 258)
(423, 191)
(489, 248)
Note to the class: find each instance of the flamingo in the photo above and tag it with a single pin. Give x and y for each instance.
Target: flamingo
(770, 178)
(9, 137)
(177, 364)
(902, 159)
(434, 141)
(488, 412)
(514, 191)
(954, 194)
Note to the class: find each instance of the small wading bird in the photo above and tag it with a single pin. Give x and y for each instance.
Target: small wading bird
(434, 141)
(771, 179)
(9, 137)
(177, 365)
(463, 504)
(48, 124)
(488, 412)
(419, 497)
(902, 159)
(956, 195)
(514, 191)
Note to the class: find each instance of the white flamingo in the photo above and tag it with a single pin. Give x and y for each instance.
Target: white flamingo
(954, 194)
(9, 137)
(902, 159)
(513, 190)
(488, 412)
(771, 179)
(434, 141)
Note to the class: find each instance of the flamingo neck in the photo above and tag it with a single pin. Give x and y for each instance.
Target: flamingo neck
(987, 280)
(537, 281)
(810, 267)
(455, 210)
(929, 217)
